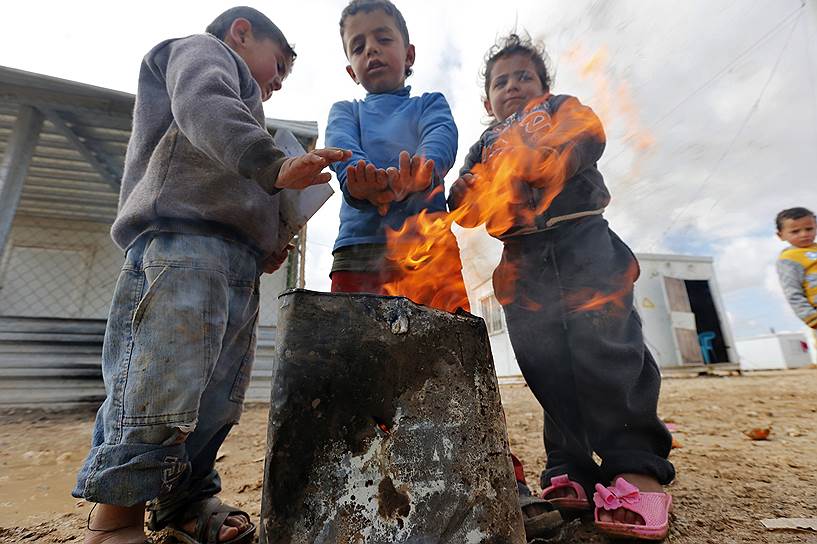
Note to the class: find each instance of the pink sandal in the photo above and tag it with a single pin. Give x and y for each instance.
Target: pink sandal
(577, 503)
(654, 509)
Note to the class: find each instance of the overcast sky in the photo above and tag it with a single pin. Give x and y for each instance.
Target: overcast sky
(710, 106)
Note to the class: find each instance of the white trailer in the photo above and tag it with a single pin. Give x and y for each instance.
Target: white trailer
(677, 297)
(774, 351)
(680, 303)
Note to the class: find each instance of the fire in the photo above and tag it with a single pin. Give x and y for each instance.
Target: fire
(427, 256)
(588, 300)
(613, 101)
(600, 300)
(530, 157)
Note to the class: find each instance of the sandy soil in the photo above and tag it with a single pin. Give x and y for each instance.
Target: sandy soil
(726, 482)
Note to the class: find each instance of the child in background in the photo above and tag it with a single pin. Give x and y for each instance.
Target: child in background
(402, 147)
(198, 221)
(797, 264)
(589, 369)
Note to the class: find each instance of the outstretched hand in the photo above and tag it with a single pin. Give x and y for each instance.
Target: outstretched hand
(365, 181)
(307, 169)
(415, 175)
(460, 188)
(458, 196)
(544, 169)
(381, 187)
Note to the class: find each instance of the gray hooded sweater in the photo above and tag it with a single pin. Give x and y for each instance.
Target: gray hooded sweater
(199, 157)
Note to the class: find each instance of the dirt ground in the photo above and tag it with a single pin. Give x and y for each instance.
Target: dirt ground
(726, 482)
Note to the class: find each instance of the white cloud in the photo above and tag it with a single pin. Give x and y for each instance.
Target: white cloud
(747, 262)
(771, 282)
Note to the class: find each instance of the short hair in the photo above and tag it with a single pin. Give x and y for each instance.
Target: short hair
(791, 213)
(368, 6)
(514, 44)
(262, 27)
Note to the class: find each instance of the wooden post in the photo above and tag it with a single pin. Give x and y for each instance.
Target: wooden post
(385, 425)
(14, 166)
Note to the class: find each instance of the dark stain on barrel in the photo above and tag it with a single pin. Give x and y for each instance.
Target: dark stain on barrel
(392, 503)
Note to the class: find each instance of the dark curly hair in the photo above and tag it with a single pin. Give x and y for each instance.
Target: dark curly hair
(791, 213)
(368, 6)
(514, 44)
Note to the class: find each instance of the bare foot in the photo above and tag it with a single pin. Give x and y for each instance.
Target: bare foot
(644, 483)
(110, 524)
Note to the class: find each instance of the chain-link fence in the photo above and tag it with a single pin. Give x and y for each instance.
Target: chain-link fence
(58, 269)
(66, 269)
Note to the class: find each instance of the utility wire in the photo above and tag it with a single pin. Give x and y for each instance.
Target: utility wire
(811, 81)
(810, 64)
(713, 78)
(703, 185)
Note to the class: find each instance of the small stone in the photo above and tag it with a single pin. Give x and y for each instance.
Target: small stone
(66, 457)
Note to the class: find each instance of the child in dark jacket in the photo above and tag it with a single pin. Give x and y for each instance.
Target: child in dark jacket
(198, 222)
(402, 147)
(532, 178)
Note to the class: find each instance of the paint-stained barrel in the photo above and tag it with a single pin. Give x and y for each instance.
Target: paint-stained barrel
(385, 426)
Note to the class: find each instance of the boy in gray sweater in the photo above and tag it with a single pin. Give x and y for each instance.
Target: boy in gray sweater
(198, 220)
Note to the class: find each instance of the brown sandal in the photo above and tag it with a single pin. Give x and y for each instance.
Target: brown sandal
(210, 515)
(540, 516)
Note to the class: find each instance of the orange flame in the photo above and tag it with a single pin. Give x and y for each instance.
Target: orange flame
(599, 300)
(427, 256)
(531, 155)
(613, 101)
(588, 300)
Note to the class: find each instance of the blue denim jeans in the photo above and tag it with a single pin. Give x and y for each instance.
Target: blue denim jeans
(178, 351)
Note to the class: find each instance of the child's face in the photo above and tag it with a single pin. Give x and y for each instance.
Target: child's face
(268, 63)
(513, 83)
(378, 56)
(799, 232)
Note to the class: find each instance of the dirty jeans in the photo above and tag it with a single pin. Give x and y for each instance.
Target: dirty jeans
(587, 367)
(178, 351)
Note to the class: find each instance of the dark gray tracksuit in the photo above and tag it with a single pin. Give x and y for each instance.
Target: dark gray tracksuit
(589, 369)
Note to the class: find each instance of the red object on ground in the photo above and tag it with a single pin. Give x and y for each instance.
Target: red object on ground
(759, 433)
(518, 470)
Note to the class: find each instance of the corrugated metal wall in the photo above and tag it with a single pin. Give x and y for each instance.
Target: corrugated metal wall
(50, 362)
(55, 363)
(52, 314)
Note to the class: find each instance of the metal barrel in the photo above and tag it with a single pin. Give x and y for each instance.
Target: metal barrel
(385, 426)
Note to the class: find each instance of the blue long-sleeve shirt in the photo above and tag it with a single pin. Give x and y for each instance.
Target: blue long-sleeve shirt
(376, 130)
